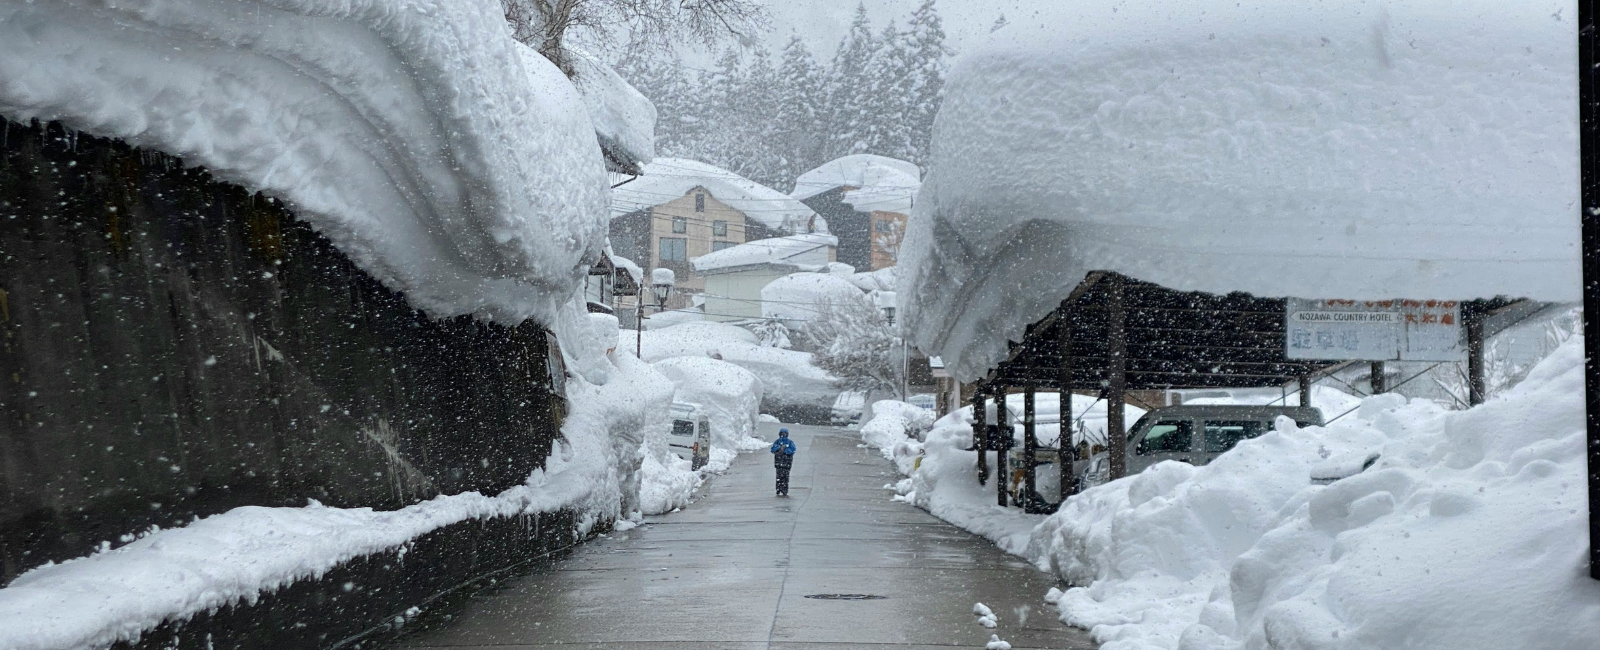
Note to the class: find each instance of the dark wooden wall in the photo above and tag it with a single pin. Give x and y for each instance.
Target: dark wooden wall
(174, 346)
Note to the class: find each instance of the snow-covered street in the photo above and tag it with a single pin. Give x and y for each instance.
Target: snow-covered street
(741, 569)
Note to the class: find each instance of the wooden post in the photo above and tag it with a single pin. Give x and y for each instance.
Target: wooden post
(1589, 125)
(1002, 442)
(1379, 382)
(1116, 376)
(980, 434)
(1305, 390)
(1030, 443)
(1066, 452)
(1477, 389)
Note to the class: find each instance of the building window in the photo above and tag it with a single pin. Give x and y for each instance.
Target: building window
(719, 228)
(674, 249)
(699, 203)
(719, 245)
(680, 224)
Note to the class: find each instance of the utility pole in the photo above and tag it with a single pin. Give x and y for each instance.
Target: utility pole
(1589, 215)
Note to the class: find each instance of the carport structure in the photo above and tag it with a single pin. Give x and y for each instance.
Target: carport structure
(1114, 334)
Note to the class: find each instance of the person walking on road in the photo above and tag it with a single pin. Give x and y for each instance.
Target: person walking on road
(782, 459)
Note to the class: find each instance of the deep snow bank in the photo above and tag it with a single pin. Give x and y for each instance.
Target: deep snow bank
(788, 377)
(448, 161)
(1469, 532)
(730, 395)
(236, 555)
(1398, 148)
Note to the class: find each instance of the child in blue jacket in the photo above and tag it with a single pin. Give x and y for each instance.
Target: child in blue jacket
(782, 459)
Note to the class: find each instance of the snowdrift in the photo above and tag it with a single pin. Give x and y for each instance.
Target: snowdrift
(807, 252)
(1469, 532)
(1400, 148)
(788, 377)
(730, 395)
(666, 179)
(624, 119)
(447, 160)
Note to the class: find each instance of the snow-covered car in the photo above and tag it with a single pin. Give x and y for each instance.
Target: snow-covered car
(690, 438)
(847, 408)
(1191, 434)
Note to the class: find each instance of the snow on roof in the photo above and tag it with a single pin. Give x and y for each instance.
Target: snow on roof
(793, 298)
(624, 120)
(452, 163)
(666, 179)
(1400, 148)
(880, 183)
(782, 251)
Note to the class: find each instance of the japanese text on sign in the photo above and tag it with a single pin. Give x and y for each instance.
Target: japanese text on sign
(1375, 330)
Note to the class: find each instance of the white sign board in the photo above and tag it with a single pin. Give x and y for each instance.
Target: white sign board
(1374, 330)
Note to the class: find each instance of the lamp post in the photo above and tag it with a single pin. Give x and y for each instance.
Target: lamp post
(886, 303)
(661, 282)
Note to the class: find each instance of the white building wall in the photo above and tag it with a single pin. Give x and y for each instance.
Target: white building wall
(737, 296)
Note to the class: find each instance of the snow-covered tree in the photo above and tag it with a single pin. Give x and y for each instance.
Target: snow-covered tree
(848, 85)
(548, 25)
(851, 340)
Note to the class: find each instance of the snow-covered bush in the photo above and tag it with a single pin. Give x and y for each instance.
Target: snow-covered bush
(1468, 532)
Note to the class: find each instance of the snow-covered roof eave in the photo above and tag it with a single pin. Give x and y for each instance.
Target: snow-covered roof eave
(341, 104)
(1087, 142)
(667, 179)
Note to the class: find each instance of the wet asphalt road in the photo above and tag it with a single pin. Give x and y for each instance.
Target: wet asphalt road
(734, 569)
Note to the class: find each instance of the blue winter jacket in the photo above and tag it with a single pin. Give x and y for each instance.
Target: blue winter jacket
(784, 446)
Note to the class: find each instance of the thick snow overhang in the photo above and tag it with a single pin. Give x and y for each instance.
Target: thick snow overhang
(450, 162)
(624, 120)
(875, 183)
(666, 179)
(1415, 149)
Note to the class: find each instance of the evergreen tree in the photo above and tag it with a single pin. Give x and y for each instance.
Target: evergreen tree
(925, 87)
(848, 82)
(798, 116)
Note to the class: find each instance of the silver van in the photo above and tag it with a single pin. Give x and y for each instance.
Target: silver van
(690, 438)
(1191, 434)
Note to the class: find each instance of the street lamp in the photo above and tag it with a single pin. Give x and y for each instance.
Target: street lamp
(661, 281)
(886, 303)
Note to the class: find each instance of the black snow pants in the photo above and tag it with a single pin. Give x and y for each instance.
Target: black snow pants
(782, 462)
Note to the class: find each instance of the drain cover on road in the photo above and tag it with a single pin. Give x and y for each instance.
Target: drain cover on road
(846, 597)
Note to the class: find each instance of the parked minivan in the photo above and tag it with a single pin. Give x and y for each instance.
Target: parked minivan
(690, 438)
(1191, 434)
(847, 408)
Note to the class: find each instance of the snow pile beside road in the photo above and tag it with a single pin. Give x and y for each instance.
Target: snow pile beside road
(945, 483)
(788, 377)
(450, 162)
(893, 430)
(238, 555)
(1468, 533)
(730, 396)
(1394, 148)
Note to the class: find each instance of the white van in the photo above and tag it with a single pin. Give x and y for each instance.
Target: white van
(1191, 434)
(690, 438)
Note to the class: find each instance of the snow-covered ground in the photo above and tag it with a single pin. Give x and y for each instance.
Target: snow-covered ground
(1246, 145)
(450, 162)
(1468, 531)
